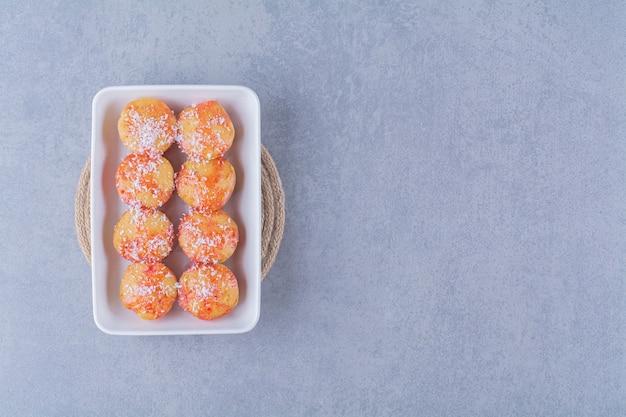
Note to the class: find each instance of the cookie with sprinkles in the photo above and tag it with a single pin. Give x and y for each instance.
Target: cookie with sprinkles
(205, 131)
(208, 236)
(206, 185)
(144, 181)
(208, 291)
(143, 235)
(147, 125)
(148, 289)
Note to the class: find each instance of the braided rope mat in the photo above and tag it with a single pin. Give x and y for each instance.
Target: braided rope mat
(273, 200)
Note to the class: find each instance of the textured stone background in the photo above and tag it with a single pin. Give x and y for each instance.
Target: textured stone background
(455, 175)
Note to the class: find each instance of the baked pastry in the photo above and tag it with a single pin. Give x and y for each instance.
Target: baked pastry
(208, 291)
(143, 235)
(206, 185)
(147, 125)
(208, 236)
(148, 289)
(205, 131)
(144, 181)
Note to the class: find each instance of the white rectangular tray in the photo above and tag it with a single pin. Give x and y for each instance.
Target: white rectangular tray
(107, 151)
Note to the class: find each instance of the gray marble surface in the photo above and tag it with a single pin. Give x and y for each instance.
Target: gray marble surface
(455, 239)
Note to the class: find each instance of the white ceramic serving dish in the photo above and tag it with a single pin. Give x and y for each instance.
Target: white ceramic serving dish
(107, 151)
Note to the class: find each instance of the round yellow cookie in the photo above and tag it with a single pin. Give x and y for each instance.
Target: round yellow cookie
(143, 235)
(208, 291)
(147, 125)
(144, 181)
(208, 237)
(206, 185)
(205, 131)
(148, 289)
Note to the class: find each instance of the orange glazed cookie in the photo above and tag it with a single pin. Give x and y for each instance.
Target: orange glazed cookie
(206, 185)
(143, 235)
(208, 291)
(143, 181)
(147, 125)
(148, 289)
(205, 131)
(208, 237)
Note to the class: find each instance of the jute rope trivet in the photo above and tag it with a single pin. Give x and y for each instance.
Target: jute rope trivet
(273, 200)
